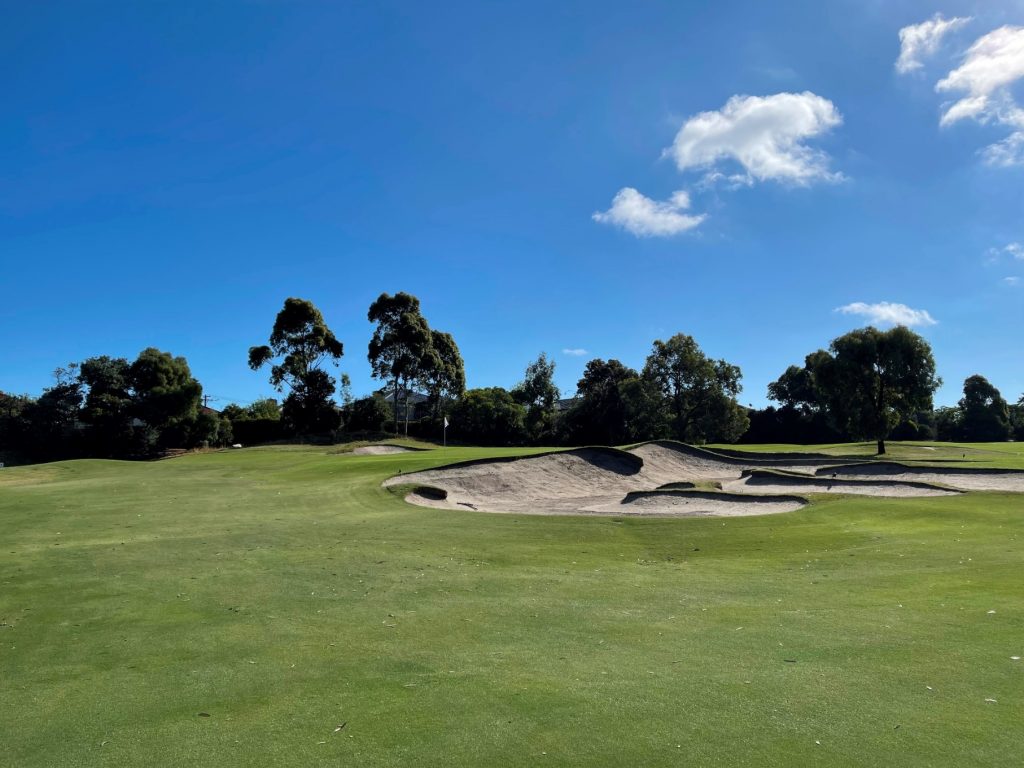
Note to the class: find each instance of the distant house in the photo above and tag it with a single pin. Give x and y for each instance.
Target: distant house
(417, 403)
(205, 409)
(563, 405)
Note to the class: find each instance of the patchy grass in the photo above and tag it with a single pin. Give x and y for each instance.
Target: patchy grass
(283, 593)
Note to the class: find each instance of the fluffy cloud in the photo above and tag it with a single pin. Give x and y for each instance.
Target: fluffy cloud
(1011, 280)
(766, 135)
(574, 351)
(993, 63)
(644, 217)
(918, 41)
(887, 313)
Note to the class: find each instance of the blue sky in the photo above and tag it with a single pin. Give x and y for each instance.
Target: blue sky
(169, 173)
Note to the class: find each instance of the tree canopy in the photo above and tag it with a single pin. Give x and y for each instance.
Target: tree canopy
(537, 391)
(700, 392)
(984, 414)
(443, 372)
(489, 416)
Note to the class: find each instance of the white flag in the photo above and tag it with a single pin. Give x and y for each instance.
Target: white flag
(446, 422)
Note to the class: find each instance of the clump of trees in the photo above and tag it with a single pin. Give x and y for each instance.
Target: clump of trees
(867, 385)
(680, 394)
(107, 407)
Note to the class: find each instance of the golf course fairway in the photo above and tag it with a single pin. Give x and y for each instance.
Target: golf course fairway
(278, 607)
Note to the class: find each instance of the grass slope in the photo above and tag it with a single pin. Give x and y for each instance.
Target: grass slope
(282, 592)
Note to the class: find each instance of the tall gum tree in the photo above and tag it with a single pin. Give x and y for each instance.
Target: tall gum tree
(302, 343)
(400, 350)
(700, 392)
(443, 374)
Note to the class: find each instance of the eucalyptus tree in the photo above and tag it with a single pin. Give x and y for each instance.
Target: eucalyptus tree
(443, 373)
(302, 344)
(537, 391)
(869, 381)
(400, 350)
(700, 393)
(984, 414)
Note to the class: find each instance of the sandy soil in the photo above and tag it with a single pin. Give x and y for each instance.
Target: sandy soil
(376, 450)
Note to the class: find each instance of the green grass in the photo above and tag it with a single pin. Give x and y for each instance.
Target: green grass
(283, 592)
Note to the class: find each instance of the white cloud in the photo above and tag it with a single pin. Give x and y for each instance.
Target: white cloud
(644, 217)
(731, 182)
(918, 41)
(887, 313)
(574, 351)
(993, 63)
(1011, 280)
(766, 135)
(1015, 250)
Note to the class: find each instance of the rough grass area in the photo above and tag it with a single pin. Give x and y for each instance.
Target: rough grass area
(286, 595)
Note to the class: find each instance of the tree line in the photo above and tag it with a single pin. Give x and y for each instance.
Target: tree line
(867, 385)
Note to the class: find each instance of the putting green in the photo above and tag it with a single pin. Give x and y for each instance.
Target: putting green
(317, 619)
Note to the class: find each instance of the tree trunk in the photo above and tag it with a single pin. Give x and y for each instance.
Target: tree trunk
(394, 407)
(405, 391)
(881, 446)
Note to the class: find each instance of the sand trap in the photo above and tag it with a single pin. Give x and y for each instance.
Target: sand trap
(594, 481)
(377, 450)
(657, 478)
(765, 481)
(566, 482)
(963, 478)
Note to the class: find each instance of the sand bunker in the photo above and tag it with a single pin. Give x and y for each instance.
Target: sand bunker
(768, 481)
(962, 478)
(377, 450)
(690, 503)
(601, 481)
(659, 478)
